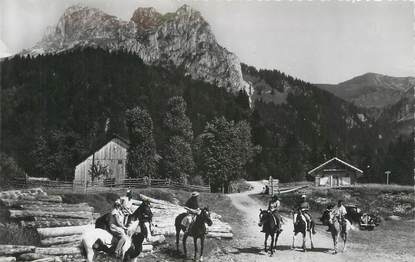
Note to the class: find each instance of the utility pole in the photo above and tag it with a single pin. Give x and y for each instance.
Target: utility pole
(387, 173)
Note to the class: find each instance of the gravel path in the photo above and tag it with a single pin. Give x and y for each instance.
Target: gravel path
(248, 243)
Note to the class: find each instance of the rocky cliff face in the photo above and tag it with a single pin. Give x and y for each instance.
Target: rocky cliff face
(183, 39)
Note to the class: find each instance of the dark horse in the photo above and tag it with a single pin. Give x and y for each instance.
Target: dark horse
(196, 230)
(300, 226)
(271, 227)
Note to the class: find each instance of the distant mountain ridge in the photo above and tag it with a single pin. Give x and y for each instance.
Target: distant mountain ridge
(182, 39)
(371, 89)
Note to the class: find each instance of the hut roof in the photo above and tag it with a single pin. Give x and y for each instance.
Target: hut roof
(335, 159)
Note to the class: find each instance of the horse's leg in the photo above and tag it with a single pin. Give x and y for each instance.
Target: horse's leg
(202, 244)
(184, 244)
(335, 242)
(272, 244)
(276, 240)
(344, 241)
(292, 245)
(195, 243)
(265, 242)
(177, 239)
(90, 254)
(304, 236)
(311, 240)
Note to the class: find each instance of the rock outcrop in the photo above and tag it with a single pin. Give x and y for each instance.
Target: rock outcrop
(182, 39)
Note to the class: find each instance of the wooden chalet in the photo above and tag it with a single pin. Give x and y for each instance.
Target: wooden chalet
(335, 172)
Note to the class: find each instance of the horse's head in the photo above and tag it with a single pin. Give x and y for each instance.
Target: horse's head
(263, 217)
(205, 216)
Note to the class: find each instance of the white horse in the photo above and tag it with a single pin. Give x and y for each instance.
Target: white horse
(100, 238)
(338, 228)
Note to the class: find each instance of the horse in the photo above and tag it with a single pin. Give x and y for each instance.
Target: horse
(145, 216)
(271, 227)
(197, 230)
(300, 226)
(339, 227)
(99, 239)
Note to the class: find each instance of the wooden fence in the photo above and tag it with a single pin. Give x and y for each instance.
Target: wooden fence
(107, 185)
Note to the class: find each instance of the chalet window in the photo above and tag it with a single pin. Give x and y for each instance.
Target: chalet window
(120, 162)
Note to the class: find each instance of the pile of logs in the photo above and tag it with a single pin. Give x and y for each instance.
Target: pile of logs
(165, 213)
(60, 225)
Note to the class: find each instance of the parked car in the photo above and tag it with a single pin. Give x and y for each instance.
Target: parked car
(355, 216)
(354, 213)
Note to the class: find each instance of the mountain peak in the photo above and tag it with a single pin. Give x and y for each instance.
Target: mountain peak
(182, 38)
(146, 18)
(372, 89)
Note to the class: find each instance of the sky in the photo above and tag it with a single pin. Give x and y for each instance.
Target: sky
(317, 41)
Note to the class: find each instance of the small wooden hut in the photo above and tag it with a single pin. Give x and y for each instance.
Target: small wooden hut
(335, 172)
(112, 155)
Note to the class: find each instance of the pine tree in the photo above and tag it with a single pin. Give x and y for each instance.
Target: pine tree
(142, 150)
(177, 161)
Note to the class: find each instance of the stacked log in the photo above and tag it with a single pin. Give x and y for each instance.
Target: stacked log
(166, 212)
(59, 225)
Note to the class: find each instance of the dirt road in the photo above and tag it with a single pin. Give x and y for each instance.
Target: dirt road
(248, 243)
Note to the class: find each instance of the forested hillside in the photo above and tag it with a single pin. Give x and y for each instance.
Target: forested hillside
(58, 108)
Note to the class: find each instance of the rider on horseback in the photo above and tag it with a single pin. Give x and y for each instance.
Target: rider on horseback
(303, 209)
(117, 227)
(126, 205)
(339, 212)
(274, 206)
(192, 207)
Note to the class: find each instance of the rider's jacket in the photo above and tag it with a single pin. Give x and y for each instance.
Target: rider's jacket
(274, 205)
(339, 211)
(116, 219)
(192, 203)
(304, 206)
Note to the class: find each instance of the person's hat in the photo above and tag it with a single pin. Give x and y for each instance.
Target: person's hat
(117, 202)
(195, 194)
(303, 196)
(129, 193)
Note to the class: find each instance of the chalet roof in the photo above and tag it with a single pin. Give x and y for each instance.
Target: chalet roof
(360, 172)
